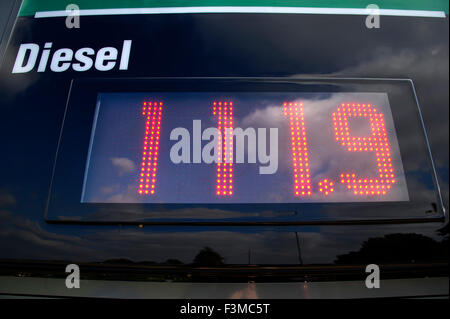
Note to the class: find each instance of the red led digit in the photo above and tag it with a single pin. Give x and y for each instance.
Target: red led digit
(147, 179)
(376, 142)
(224, 179)
(299, 145)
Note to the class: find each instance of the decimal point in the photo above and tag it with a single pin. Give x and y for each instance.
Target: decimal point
(326, 186)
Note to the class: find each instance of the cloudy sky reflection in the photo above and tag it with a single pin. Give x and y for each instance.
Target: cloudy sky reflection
(112, 172)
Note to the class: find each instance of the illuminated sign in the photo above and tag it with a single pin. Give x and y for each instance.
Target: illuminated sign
(262, 147)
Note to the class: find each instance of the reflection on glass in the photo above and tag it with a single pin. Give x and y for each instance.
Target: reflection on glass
(228, 147)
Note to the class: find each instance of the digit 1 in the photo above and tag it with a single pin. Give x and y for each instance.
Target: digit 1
(299, 146)
(377, 142)
(147, 180)
(224, 113)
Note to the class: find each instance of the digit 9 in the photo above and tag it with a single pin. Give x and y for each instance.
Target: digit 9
(377, 142)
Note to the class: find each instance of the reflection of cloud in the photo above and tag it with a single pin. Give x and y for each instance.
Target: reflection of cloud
(21, 237)
(329, 158)
(271, 116)
(430, 77)
(30, 237)
(140, 213)
(123, 164)
(428, 67)
(127, 196)
(106, 190)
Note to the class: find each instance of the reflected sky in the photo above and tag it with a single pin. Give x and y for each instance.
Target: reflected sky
(114, 160)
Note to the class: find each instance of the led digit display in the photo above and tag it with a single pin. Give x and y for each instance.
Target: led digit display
(147, 179)
(224, 113)
(236, 147)
(300, 157)
(377, 142)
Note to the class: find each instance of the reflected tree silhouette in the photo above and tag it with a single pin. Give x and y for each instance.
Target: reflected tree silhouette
(208, 257)
(397, 248)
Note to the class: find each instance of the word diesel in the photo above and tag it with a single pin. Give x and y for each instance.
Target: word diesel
(83, 59)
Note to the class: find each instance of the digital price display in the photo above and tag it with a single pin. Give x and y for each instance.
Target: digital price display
(243, 147)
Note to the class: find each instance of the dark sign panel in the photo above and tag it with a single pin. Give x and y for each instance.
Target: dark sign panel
(253, 150)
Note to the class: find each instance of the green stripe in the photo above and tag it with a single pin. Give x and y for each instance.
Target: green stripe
(30, 7)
